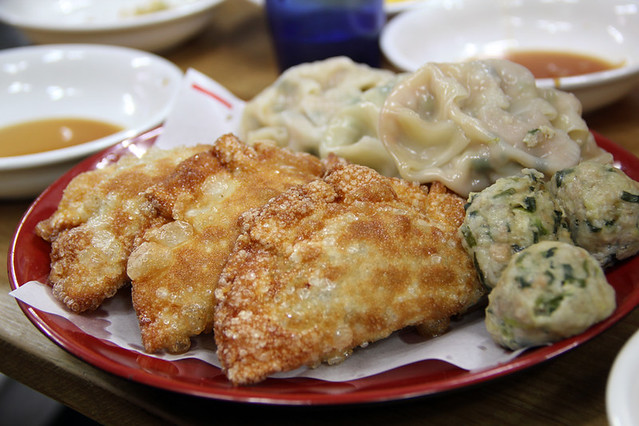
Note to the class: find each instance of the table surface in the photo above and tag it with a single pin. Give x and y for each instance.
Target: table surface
(236, 51)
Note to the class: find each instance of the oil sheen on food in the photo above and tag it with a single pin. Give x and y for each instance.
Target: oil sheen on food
(48, 134)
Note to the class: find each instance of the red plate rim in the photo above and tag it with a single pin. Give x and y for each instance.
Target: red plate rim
(194, 377)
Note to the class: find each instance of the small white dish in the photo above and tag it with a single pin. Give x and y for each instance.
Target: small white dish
(153, 25)
(459, 30)
(622, 391)
(126, 87)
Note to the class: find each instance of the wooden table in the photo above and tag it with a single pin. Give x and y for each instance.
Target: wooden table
(236, 51)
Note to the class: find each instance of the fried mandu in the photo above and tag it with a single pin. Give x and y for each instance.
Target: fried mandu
(175, 266)
(93, 229)
(335, 264)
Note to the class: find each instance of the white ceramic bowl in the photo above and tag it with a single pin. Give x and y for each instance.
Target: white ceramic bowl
(458, 30)
(117, 22)
(622, 390)
(126, 87)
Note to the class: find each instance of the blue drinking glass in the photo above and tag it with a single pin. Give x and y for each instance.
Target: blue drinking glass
(310, 30)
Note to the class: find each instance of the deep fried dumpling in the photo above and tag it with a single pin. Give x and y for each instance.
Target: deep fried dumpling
(93, 229)
(175, 265)
(334, 264)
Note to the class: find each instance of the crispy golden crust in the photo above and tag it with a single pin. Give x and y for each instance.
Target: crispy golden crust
(92, 231)
(175, 266)
(337, 263)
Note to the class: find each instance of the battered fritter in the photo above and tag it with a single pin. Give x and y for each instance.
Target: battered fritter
(550, 291)
(602, 206)
(335, 264)
(175, 266)
(508, 216)
(96, 222)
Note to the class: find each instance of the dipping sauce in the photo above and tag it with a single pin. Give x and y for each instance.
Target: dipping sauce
(551, 64)
(46, 135)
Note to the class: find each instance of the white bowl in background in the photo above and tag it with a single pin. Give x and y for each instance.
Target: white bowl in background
(126, 87)
(622, 389)
(459, 30)
(131, 23)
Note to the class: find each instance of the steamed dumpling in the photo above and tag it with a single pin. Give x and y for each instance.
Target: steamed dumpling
(467, 124)
(328, 106)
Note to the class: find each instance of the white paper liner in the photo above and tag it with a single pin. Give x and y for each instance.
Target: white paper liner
(202, 111)
(467, 345)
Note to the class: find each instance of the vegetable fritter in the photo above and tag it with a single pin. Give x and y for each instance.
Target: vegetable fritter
(602, 207)
(505, 218)
(550, 291)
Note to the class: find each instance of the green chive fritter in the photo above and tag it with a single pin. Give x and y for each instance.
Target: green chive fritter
(505, 218)
(601, 204)
(549, 291)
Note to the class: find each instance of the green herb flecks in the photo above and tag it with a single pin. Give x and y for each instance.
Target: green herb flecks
(468, 237)
(530, 204)
(522, 282)
(506, 193)
(539, 230)
(550, 276)
(570, 277)
(560, 175)
(480, 273)
(545, 305)
(550, 252)
(630, 198)
(558, 219)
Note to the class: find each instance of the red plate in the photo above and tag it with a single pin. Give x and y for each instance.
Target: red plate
(29, 260)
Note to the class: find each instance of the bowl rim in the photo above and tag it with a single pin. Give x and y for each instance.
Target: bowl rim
(173, 73)
(621, 377)
(135, 22)
(395, 55)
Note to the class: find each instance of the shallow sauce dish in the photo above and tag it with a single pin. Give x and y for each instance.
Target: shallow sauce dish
(458, 30)
(125, 87)
(142, 24)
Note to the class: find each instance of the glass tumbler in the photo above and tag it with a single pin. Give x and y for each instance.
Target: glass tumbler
(309, 30)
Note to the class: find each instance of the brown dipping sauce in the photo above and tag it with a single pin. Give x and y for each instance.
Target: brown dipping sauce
(549, 64)
(46, 135)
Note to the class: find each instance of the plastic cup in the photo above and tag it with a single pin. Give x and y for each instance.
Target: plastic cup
(310, 30)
